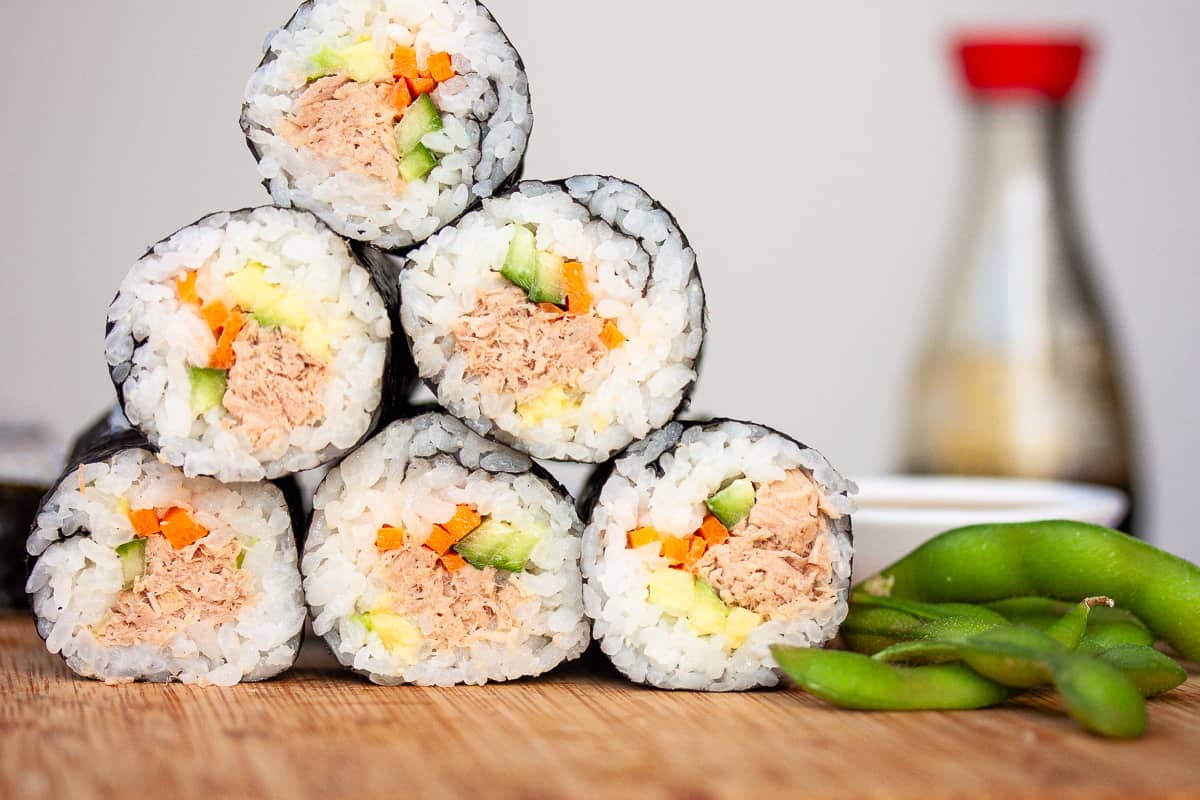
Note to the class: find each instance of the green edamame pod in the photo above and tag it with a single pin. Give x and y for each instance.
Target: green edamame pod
(921, 651)
(1061, 559)
(1102, 699)
(1112, 634)
(1013, 656)
(1151, 671)
(869, 630)
(927, 611)
(852, 680)
(1068, 630)
(1041, 612)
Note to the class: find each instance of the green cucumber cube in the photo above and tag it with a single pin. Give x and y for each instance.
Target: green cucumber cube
(420, 118)
(417, 164)
(208, 388)
(133, 561)
(732, 504)
(498, 544)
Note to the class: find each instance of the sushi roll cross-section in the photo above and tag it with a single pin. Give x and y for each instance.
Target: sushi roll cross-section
(565, 319)
(388, 119)
(709, 542)
(438, 557)
(142, 573)
(249, 345)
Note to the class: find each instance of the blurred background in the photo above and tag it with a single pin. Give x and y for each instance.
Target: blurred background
(815, 153)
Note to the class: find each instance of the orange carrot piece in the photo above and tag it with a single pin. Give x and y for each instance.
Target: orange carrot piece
(674, 549)
(401, 99)
(223, 357)
(439, 540)
(389, 537)
(404, 63)
(550, 308)
(144, 522)
(696, 548)
(712, 531)
(180, 529)
(579, 299)
(440, 68)
(419, 86)
(464, 521)
(453, 562)
(214, 313)
(640, 537)
(185, 287)
(611, 335)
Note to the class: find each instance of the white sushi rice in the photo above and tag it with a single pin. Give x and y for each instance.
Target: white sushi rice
(153, 339)
(413, 474)
(642, 641)
(77, 576)
(642, 275)
(485, 110)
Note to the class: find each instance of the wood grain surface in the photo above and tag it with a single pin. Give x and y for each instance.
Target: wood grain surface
(579, 732)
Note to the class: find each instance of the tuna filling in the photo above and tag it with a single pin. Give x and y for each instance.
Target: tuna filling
(274, 387)
(777, 562)
(197, 583)
(348, 124)
(452, 609)
(518, 347)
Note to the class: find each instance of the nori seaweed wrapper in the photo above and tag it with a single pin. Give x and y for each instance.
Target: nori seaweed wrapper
(399, 372)
(405, 262)
(528, 465)
(110, 434)
(28, 460)
(300, 16)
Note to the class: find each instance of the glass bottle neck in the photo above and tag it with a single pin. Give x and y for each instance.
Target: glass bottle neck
(1020, 147)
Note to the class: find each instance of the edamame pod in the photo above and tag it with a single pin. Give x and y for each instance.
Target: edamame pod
(1102, 699)
(1068, 630)
(1147, 669)
(869, 630)
(1061, 559)
(852, 680)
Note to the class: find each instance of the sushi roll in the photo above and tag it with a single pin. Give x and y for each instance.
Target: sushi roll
(438, 557)
(253, 344)
(388, 119)
(707, 543)
(143, 573)
(565, 319)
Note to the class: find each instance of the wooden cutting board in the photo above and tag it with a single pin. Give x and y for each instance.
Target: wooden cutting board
(580, 732)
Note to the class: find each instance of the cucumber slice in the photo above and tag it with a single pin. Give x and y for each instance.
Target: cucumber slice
(133, 561)
(498, 544)
(547, 283)
(708, 614)
(417, 164)
(732, 504)
(208, 388)
(420, 118)
(520, 265)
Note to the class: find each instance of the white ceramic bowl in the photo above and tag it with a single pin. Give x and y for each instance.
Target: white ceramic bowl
(898, 512)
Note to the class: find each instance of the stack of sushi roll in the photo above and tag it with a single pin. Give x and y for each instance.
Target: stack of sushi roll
(259, 350)
(436, 556)
(388, 119)
(563, 318)
(252, 344)
(143, 573)
(708, 542)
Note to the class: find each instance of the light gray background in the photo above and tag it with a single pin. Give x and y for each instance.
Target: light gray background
(813, 151)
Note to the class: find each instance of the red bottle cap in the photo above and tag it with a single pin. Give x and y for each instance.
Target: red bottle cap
(1043, 66)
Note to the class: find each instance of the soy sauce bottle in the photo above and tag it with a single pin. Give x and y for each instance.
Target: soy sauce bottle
(1018, 375)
